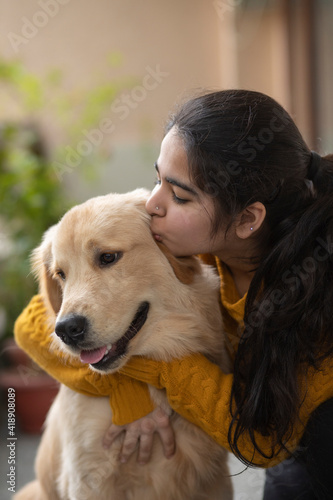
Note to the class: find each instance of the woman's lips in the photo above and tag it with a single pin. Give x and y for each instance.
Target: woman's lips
(156, 234)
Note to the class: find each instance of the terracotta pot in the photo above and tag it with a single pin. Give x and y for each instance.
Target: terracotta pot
(34, 389)
(14, 354)
(33, 398)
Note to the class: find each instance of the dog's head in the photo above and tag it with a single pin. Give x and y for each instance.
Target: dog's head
(113, 291)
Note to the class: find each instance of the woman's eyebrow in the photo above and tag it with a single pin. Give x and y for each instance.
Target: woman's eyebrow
(177, 183)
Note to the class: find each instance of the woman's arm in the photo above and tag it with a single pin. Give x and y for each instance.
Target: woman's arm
(199, 391)
(130, 399)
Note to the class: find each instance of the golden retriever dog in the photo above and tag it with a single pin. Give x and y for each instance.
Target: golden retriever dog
(113, 293)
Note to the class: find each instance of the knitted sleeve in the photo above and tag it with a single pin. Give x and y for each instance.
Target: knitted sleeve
(200, 392)
(129, 398)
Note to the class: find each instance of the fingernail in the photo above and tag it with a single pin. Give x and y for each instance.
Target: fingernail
(123, 460)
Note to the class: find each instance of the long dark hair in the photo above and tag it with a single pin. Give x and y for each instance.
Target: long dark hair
(243, 147)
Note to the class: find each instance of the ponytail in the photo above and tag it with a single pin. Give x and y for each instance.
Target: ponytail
(321, 173)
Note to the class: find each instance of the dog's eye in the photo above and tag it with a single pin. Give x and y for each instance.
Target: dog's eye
(107, 259)
(60, 273)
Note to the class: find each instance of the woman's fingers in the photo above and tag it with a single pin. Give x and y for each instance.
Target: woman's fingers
(139, 435)
(168, 441)
(131, 439)
(165, 431)
(145, 448)
(111, 434)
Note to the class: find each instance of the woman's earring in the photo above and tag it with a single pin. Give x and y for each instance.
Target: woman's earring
(251, 228)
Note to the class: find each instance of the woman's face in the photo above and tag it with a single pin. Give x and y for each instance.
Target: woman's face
(181, 213)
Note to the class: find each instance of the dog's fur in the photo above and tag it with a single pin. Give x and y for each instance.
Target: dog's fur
(183, 317)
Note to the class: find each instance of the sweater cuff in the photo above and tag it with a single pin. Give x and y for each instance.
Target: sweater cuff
(130, 401)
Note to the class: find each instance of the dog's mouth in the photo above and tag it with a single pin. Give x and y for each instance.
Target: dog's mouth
(103, 357)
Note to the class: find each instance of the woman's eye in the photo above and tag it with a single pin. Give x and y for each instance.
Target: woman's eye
(178, 200)
(157, 182)
(107, 259)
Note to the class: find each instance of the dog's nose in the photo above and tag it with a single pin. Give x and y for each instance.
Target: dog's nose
(71, 329)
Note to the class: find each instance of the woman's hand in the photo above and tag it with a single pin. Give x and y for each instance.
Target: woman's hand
(141, 433)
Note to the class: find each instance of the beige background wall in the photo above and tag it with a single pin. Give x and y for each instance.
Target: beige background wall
(181, 44)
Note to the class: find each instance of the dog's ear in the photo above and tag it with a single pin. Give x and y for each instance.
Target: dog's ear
(185, 268)
(41, 259)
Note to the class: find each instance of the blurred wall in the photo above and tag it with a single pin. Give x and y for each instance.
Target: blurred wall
(174, 41)
(169, 48)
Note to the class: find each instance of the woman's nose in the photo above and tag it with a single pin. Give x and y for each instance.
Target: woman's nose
(154, 205)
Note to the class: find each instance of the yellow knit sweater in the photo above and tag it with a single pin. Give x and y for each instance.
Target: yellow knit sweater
(196, 388)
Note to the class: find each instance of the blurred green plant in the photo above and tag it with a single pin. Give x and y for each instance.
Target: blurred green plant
(32, 197)
(31, 200)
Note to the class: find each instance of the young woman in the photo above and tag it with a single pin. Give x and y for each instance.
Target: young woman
(236, 181)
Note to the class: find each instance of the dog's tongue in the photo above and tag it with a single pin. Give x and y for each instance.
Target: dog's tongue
(93, 356)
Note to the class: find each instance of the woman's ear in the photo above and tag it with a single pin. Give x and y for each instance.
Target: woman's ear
(250, 220)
